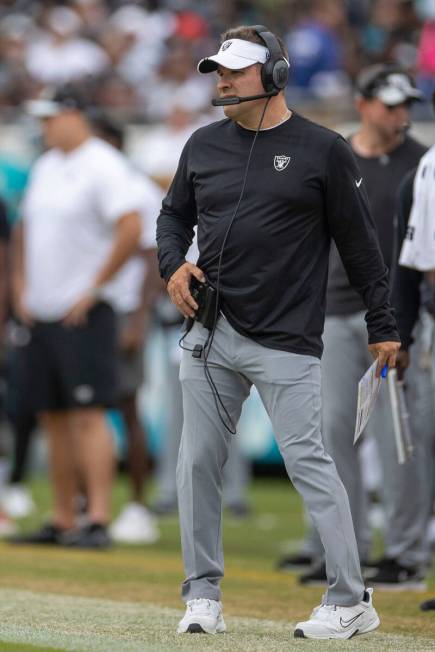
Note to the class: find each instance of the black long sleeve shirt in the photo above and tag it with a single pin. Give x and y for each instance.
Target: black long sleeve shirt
(275, 263)
(381, 176)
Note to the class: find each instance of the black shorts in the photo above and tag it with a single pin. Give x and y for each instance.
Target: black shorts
(75, 367)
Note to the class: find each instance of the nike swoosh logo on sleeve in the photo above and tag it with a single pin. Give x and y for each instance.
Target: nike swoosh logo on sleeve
(358, 183)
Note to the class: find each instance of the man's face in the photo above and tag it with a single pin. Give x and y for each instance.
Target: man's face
(390, 121)
(241, 83)
(57, 129)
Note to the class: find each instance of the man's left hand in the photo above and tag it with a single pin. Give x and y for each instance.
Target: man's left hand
(386, 353)
(78, 314)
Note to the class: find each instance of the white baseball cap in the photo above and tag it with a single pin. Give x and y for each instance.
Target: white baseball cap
(235, 54)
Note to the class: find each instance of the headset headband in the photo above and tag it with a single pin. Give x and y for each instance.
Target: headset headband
(274, 72)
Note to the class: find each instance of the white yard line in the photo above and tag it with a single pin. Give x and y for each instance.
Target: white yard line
(92, 625)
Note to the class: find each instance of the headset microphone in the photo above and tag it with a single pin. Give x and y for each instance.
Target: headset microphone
(233, 99)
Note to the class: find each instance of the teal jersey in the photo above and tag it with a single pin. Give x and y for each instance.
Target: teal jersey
(13, 181)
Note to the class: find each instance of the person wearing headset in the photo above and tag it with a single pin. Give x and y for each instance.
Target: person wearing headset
(267, 189)
(385, 152)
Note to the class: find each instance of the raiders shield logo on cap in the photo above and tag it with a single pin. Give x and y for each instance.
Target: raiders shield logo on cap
(280, 162)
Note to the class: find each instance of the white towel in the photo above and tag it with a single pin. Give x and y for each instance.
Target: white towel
(418, 250)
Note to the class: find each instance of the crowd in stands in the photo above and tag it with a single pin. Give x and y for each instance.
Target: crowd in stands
(138, 57)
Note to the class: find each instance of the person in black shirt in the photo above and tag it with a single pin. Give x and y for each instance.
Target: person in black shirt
(266, 212)
(384, 153)
(414, 300)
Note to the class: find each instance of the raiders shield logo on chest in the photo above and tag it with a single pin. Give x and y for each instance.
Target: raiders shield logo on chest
(280, 162)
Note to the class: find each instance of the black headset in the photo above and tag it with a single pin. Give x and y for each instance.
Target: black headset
(274, 72)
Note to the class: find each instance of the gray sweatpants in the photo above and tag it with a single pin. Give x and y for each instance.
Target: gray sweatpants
(404, 491)
(237, 473)
(290, 389)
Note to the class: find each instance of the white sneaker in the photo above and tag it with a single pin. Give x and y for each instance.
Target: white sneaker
(202, 616)
(135, 525)
(17, 501)
(333, 621)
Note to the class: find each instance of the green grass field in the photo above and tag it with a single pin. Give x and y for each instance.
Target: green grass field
(127, 599)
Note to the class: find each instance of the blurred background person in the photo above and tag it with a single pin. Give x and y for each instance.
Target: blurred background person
(6, 525)
(80, 224)
(316, 46)
(414, 300)
(157, 152)
(60, 54)
(384, 153)
(426, 49)
(134, 290)
(16, 499)
(177, 85)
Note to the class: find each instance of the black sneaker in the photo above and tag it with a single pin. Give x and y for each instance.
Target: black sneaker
(372, 567)
(427, 605)
(92, 535)
(294, 562)
(377, 563)
(238, 510)
(164, 508)
(393, 576)
(315, 577)
(48, 534)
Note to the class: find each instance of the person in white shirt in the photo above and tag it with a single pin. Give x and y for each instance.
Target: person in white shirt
(60, 55)
(80, 224)
(134, 290)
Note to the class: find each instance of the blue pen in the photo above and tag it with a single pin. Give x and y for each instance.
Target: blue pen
(384, 371)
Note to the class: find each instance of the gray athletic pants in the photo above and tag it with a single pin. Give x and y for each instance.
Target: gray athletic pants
(237, 473)
(289, 387)
(404, 491)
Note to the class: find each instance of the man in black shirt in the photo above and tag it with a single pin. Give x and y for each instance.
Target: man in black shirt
(414, 300)
(384, 153)
(265, 217)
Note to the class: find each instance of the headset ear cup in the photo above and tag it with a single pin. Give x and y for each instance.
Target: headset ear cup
(267, 76)
(280, 74)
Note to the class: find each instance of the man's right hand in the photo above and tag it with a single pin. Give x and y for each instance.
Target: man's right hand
(178, 288)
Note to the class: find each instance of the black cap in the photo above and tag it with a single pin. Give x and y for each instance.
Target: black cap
(389, 83)
(54, 101)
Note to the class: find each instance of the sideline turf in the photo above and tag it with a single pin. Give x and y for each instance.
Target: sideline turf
(90, 625)
(22, 647)
(148, 578)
